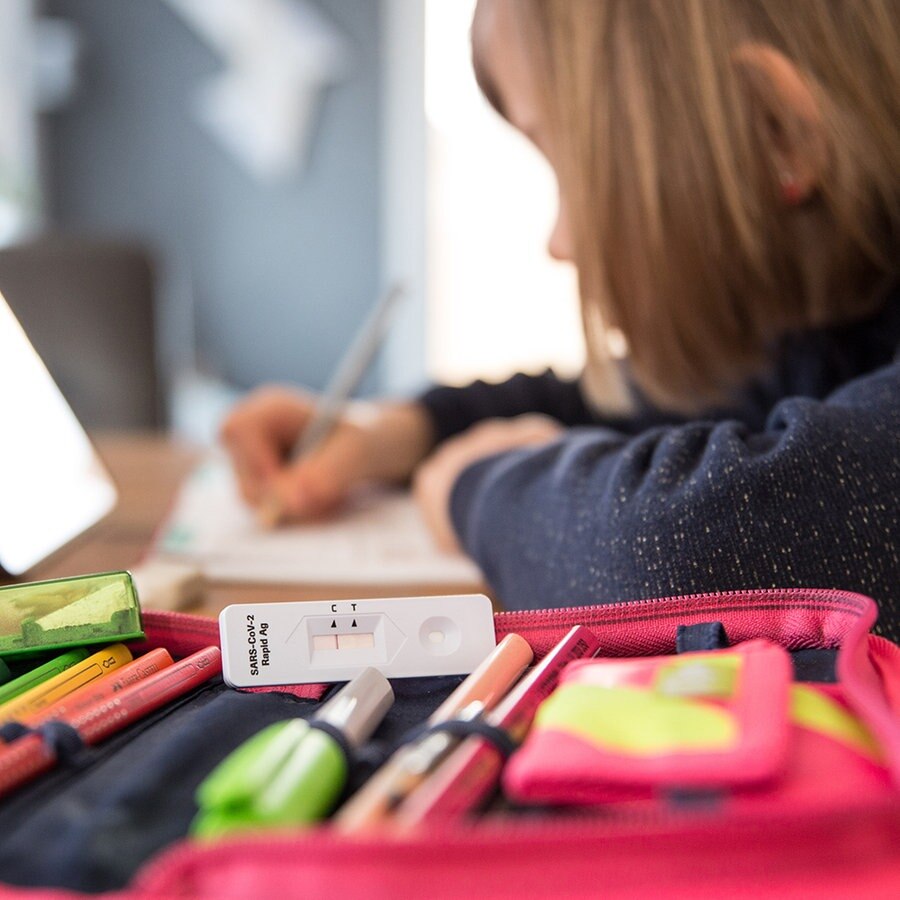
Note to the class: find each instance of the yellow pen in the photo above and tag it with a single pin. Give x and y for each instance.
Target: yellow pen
(88, 670)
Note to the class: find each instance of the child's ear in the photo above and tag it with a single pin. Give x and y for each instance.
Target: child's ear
(793, 133)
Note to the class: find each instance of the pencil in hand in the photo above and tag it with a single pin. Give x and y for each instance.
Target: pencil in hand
(331, 405)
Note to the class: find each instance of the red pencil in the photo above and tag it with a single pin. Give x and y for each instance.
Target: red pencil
(29, 756)
(103, 688)
(462, 782)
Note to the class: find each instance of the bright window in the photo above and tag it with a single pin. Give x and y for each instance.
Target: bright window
(497, 303)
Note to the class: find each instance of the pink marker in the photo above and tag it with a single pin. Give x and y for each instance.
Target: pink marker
(468, 776)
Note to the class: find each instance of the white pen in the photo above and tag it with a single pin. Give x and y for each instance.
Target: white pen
(353, 366)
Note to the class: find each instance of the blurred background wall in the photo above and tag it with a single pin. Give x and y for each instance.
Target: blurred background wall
(262, 281)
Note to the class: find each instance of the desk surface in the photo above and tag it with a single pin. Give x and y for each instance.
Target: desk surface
(147, 469)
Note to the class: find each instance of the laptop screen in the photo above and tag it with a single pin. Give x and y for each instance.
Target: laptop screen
(53, 485)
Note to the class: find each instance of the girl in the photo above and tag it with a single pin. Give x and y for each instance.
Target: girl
(729, 193)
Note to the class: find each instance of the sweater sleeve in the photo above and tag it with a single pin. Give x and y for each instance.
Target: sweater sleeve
(454, 409)
(809, 499)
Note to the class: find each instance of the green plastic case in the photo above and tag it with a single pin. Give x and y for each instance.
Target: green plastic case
(68, 612)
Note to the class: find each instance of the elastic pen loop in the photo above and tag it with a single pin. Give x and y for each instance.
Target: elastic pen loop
(464, 728)
(12, 731)
(63, 741)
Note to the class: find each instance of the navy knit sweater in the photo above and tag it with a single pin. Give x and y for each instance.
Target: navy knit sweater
(797, 483)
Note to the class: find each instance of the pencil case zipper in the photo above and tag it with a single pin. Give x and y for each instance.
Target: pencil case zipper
(188, 631)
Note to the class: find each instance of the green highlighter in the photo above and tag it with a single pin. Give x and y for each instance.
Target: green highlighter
(292, 772)
(41, 673)
(68, 612)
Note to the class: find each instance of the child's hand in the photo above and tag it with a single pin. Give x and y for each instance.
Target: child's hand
(434, 479)
(371, 442)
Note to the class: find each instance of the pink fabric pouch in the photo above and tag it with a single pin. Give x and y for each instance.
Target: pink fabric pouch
(625, 728)
(729, 722)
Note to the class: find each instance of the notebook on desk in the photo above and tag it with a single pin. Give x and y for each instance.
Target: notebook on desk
(378, 538)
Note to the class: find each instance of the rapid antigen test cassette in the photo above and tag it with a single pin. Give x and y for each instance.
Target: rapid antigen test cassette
(324, 640)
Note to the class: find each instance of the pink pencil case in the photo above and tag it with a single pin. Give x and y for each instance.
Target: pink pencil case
(828, 824)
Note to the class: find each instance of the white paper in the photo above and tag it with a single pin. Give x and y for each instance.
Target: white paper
(379, 538)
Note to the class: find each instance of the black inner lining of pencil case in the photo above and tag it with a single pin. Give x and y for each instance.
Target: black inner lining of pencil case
(91, 825)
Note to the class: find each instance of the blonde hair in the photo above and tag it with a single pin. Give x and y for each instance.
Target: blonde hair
(682, 238)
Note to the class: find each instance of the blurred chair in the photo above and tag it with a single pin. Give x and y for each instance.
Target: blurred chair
(88, 307)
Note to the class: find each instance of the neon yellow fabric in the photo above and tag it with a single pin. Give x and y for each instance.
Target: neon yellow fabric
(816, 711)
(637, 720)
